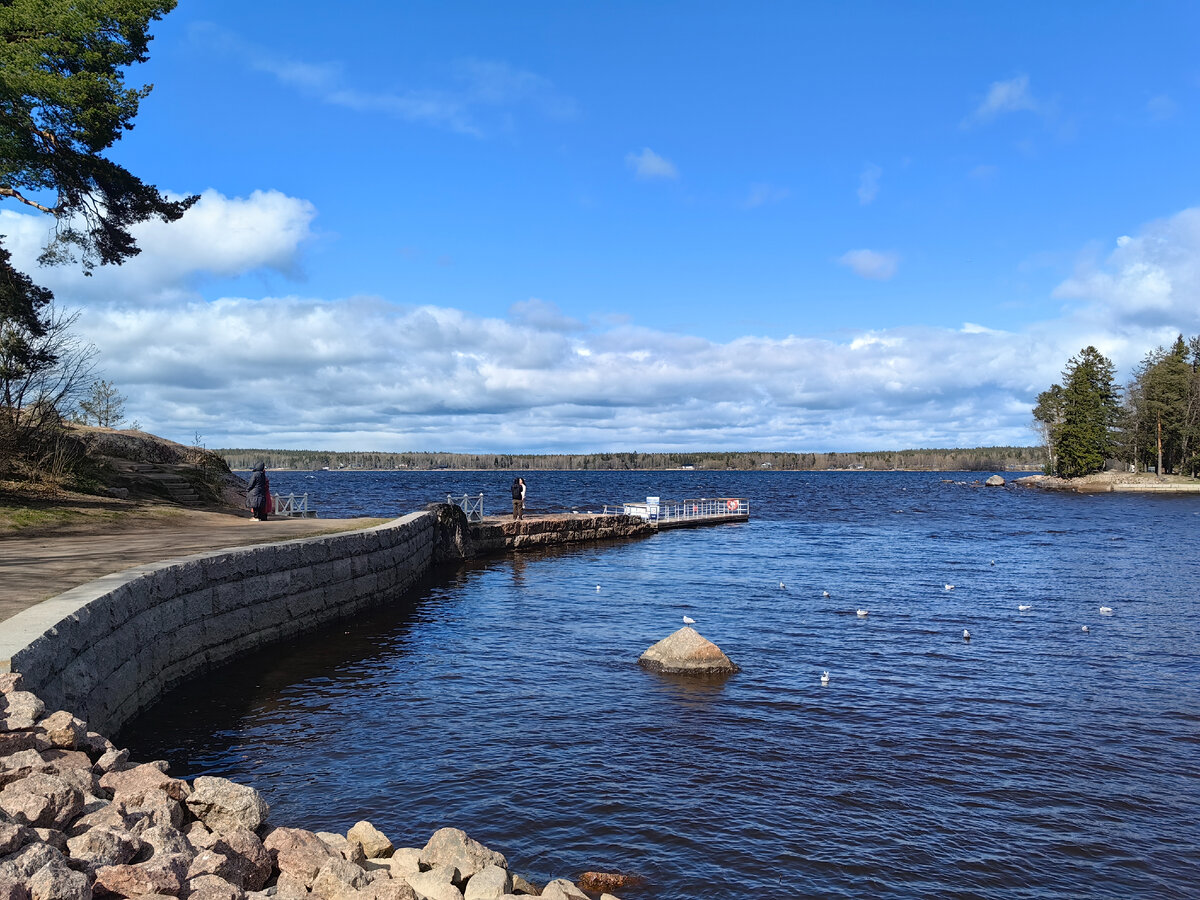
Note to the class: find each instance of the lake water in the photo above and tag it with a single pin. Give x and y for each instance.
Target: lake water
(503, 697)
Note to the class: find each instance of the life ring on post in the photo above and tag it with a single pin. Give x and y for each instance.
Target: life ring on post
(731, 505)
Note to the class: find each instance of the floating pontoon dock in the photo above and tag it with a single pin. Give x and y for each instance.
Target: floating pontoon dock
(686, 513)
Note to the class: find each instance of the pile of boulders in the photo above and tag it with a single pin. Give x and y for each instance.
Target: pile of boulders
(79, 820)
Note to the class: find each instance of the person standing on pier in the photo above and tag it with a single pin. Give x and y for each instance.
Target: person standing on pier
(518, 495)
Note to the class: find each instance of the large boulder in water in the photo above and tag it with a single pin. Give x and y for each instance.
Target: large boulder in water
(687, 652)
(995, 481)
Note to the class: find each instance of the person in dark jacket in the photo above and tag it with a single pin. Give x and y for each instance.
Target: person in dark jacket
(258, 494)
(518, 495)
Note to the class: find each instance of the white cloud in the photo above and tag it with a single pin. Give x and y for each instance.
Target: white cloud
(762, 194)
(649, 165)
(1150, 280)
(295, 371)
(873, 264)
(365, 373)
(222, 236)
(868, 183)
(1005, 97)
(475, 85)
(542, 315)
(1161, 108)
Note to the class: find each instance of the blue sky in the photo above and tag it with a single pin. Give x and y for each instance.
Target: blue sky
(548, 226)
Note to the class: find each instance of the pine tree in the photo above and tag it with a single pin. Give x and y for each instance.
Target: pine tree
(1089, 414)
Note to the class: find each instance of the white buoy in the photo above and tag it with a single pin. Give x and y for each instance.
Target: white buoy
(688, 620)
(1025, 607)
(862, 613)
(966, 635)
(1106, 610)
(824, 678)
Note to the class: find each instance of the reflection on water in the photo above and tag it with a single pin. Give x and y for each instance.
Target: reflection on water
(504, 697)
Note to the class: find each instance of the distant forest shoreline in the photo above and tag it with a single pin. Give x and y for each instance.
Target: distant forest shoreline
(979, 459)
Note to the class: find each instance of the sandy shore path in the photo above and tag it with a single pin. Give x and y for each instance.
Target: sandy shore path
(41, 565)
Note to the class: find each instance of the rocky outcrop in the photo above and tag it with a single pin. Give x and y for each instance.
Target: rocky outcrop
(687, 652)
(145, 466)
(995, 481)
(78, 821)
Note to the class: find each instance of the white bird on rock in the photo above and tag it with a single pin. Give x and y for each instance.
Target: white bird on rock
(966, 635)
(688, 620)
(862, 613)
(824, 678)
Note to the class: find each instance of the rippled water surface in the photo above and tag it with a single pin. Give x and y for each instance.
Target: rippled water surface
(503, 697)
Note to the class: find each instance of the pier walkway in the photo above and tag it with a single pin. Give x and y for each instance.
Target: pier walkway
(689, 513)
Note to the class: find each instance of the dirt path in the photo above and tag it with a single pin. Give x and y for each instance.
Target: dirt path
(43, 564)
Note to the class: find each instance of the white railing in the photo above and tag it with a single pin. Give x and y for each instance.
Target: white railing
(678, 512)
(291, 505)
(472, 506)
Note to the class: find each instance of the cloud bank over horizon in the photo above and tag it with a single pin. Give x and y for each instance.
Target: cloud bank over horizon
(372, 373)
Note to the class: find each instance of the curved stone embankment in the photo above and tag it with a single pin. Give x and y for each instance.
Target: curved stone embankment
(110, 648)
(79, 820)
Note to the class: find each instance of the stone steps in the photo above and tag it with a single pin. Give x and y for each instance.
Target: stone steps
(161, 480)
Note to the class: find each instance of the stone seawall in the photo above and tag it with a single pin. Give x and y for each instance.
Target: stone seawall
(110, 648)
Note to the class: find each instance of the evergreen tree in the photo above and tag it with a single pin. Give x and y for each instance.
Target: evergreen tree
(104, 404)
(1085, 438)
(1162, 410)
(63, 103)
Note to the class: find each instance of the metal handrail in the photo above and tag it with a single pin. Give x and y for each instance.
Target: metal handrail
(291, 506)
(472, 506)
(695, 509)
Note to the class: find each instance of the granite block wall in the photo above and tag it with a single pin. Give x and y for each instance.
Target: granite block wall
(110, 648)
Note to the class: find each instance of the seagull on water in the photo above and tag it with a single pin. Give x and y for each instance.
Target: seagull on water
(826, 594)
(1025, 607)
(1106, 610)
(862, 613)
(966, 635)
(824, 678)
(597, 589)
(949, 587)
(688, 620)
(993, 562)
(1085, 628)
(782, 586)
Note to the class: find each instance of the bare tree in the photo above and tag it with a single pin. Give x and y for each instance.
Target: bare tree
(41, 376)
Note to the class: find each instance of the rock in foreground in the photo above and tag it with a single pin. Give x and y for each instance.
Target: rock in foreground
(687, 652)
